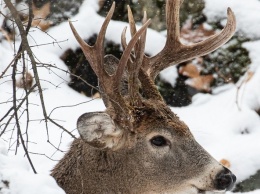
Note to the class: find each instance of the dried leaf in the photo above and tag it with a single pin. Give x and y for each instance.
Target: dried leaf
(249, 76)
(40, 15)
(201, 83)
(225, 163)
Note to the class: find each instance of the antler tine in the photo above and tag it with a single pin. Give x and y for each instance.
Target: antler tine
(124, 44)
(133, 31)
(132, 28)
(143, 38)
(148, 88)
(95, 54)
(123, 38)
(135, 65)
(212, 43)
(102, 33)
(87, 50)
(173, 22)
(124, 59)
(175, 52)
(131, 21)
(117, 77)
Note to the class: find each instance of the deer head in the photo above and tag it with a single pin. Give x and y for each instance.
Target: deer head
(138, 145)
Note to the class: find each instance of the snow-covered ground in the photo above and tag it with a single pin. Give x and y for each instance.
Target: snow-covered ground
(225, 123)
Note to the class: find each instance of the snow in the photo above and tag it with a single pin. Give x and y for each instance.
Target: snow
(247, 14)
(169, 75)
(225, 123)
(252, 192)
(16, 177)
(225, 131)
(253, 47)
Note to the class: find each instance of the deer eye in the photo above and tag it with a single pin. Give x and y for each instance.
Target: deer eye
(159, 141)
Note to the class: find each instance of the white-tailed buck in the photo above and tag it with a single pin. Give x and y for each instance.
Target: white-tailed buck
(138, 145)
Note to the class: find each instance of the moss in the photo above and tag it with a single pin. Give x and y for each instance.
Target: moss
(120, 9)
(60, 10)
(192, 9)
(155, 10)
(228, 63)
(177, 96)
(250, 184)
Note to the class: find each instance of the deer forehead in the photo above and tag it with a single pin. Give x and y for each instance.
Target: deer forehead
(159, 118)
(159, 125)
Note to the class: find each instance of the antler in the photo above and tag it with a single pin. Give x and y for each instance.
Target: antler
(140, 68)
(174, 51)
(110, 83)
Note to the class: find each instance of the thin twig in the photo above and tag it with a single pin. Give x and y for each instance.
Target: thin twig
(56, 42)
(52, 121)
(14, 59)
(27, 100)
(68, 106)
(18, 107)
(25, 46)
(66, 71)
(17, 119)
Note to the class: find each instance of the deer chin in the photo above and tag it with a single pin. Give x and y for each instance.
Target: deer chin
(211, 192)
(197, 190)
(201, 191)
(191, 190)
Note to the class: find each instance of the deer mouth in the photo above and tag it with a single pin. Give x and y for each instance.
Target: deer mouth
(198, 191)
(201, 191)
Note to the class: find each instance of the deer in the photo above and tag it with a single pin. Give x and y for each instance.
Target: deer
(138, 145)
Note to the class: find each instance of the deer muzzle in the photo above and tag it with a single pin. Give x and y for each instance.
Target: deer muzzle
(225, 180)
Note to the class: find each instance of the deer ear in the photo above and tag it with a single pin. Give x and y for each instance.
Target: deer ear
(99, 130)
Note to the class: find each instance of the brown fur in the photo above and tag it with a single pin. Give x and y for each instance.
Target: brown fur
(152, 111)
(133, 168)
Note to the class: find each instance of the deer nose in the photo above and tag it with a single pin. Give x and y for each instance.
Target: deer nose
(225, 180)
